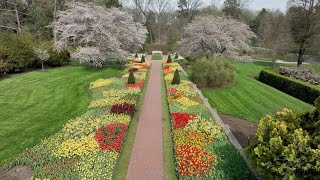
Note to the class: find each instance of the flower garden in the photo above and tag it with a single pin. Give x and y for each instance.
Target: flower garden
(201, 148)
(89, 146)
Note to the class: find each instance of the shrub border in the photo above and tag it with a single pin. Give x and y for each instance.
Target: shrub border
(290, 86)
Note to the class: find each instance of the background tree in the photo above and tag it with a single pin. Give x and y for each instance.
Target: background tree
(273, 32)
(188, 8)
(106, 32)
(305, 24)
(233, 8)
(43, 55)
(210, 35)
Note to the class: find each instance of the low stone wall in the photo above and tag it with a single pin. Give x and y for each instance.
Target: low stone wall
(226, 128)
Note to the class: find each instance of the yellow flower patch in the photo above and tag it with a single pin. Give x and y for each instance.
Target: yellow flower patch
(207, 127)
(186, 102)
(97, 166)
(192, 138)
(121, 93)
(77, 147)
(110, 101)
(100, 83)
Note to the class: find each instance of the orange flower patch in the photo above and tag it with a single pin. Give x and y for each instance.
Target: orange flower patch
(137, 85)
(194, 161)
(142, 65)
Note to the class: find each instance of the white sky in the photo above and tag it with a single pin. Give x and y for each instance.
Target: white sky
(258, 4)
(254, 4)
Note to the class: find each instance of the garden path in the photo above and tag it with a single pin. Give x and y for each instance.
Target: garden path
(147, 155)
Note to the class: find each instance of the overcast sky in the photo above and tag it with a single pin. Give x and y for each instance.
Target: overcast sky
(258, 4)
(254, 4)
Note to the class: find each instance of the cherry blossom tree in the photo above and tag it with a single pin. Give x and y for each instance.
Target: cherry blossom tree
(98, 33)
(209, 35)
(43, 55)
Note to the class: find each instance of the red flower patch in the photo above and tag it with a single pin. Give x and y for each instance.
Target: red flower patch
(181, 119)
(123, 108)
(138, 85)
(194, 160)
(110, 137)
(171, 91)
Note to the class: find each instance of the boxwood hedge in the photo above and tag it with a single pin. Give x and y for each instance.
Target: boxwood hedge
(296, 88)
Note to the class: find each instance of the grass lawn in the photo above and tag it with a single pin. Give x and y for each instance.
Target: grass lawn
(35, 105)
(250, 99)
(157, 57)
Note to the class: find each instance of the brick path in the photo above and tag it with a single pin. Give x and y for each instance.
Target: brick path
(146, 161)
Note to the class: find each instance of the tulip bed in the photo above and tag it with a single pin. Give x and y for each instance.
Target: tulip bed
(88, 147)
(201, 148)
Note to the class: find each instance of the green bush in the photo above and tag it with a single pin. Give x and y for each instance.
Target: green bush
(18, 50)
(169, 60)
(131, 79)
(296, 88)
(143, 58)
(287, 146)
(58, 59)
(176, 78)
(212, 72)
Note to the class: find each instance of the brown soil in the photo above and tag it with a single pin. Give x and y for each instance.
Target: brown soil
(243, 130)
(17, 173)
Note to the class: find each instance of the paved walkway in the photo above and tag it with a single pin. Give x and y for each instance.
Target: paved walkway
(146, 161)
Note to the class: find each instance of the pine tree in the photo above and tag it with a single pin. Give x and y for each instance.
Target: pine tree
(143, 59)
(177, 56)
(131, 79)
(169, 59)
(136, 55)
(176, 78)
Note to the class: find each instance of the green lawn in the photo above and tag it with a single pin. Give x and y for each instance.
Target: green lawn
(35, 105)
(157, 57)
(250, 99)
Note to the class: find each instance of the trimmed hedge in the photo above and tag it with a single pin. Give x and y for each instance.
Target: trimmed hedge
(296, 88)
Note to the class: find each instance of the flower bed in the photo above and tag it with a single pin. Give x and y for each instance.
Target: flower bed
(201, 148)
(88, 147)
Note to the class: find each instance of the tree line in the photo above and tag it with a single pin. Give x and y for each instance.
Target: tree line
(294, 33)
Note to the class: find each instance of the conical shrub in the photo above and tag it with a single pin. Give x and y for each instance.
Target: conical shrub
(143, 59)
(169, 59)
(131, 79)
(177, 56)
(176, 78)
(136, 55)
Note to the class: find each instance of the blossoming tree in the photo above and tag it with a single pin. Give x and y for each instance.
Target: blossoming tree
(97, 33)
(208, 35)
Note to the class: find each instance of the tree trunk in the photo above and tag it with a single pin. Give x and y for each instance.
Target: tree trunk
(42, 67)
(301, 53)
(54, 19)
(17, 16)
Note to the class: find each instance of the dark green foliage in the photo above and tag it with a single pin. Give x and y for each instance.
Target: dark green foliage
(131, 79)
(176, 78)
(296, 88)
(287, 146)
(169, 60)
(176, 56)
(212, 72)
(143, 58)
(230, 165)
(317, 103)
(136, 55)
(58, 59)
(17, 50)
(17, 53)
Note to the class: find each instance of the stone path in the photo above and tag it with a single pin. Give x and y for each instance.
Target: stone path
(146, 161)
